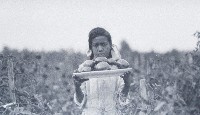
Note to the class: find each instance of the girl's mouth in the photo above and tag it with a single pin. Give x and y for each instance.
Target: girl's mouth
(101, 54)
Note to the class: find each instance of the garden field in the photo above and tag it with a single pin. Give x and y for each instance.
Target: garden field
(40, 83)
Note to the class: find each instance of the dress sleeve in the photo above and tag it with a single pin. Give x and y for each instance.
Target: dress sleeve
(123, 100)
(81, 105)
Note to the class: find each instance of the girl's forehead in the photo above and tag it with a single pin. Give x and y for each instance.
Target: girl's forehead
(100, 39)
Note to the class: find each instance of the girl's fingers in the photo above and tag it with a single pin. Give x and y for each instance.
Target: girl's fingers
(77, 79)
(82, 80)
(122, 76)
(125, 74)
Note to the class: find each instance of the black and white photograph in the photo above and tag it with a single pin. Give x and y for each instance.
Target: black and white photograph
(99, 57)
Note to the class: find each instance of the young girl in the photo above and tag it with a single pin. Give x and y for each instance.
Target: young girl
(99, 96)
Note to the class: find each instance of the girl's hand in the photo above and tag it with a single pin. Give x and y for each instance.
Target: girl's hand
(78, 81)
(126, 78)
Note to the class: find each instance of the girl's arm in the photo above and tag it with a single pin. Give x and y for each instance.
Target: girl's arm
(127, 82)
(79, 96)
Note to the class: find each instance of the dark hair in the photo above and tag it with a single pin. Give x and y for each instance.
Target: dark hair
(98, 32)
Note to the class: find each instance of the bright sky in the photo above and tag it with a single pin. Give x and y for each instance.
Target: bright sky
(54, 24)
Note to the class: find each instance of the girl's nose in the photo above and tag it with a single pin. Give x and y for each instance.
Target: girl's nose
(100, 48)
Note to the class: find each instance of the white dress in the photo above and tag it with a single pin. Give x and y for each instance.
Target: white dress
(100, 96)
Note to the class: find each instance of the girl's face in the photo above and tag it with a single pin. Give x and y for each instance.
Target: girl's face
(101, 47)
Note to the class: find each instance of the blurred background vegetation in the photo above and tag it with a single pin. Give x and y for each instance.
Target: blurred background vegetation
(41, 82)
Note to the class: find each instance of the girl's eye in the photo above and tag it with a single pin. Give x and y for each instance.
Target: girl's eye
(103, 44)
(94, 45)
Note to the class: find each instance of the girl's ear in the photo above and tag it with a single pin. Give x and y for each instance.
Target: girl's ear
(89, 54)
(115, 52)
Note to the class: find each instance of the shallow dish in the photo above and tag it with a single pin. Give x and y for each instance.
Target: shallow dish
(103, 73)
